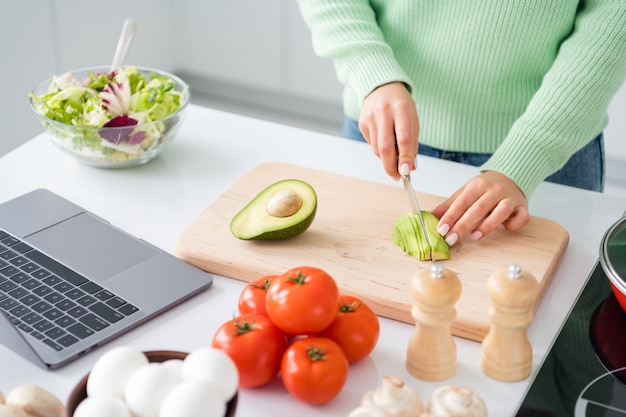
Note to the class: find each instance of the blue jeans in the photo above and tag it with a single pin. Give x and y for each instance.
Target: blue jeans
(585, 169)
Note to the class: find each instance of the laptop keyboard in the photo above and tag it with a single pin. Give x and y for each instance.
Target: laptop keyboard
(51, 302)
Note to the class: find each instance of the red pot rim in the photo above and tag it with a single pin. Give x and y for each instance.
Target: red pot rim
(615, 273)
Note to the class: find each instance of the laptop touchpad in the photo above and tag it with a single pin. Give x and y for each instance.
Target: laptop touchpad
(91, 247)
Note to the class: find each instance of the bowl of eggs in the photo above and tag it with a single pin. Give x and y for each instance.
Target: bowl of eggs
(126, 382)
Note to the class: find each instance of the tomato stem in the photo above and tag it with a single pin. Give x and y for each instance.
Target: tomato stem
(348, 307)
(316, 354)
(243, 327)
(263, 286)
(299, 280)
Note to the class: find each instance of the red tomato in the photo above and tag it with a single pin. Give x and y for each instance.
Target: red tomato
(302, 300)
(252, 297)
(255, 345)
(355, 329)
(314, 370)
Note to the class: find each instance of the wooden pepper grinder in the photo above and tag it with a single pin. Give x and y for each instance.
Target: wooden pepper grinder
(431, 354)
(506, 353)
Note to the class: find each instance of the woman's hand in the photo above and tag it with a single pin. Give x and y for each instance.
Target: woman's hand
(390, 125)
(488, 201)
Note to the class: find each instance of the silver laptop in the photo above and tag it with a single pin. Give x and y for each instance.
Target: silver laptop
(70, 281)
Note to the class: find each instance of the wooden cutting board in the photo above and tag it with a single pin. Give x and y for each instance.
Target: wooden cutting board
(350, 239)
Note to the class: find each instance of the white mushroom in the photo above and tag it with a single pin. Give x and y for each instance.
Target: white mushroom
(35, 401)
(12, 411)
(9, 410)
(369, 411)
(393, 397)
(456, 401)
(284, 203)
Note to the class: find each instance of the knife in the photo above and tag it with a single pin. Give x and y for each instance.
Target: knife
(406, 181)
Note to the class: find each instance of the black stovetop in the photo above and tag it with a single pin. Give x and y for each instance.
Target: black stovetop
(584, 373)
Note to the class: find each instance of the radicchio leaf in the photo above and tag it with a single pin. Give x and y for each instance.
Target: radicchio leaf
(118, 135)
(116, 95)
(137, 137)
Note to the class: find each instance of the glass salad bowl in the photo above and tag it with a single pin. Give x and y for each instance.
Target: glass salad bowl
(111, 119)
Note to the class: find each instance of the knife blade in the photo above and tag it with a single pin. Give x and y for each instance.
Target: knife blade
(408, 187)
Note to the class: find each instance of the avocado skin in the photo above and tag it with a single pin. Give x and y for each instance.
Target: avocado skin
(254, 223)
(409, 236)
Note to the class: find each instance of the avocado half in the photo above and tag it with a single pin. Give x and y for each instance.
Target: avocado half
(409, 235)
(282, 210)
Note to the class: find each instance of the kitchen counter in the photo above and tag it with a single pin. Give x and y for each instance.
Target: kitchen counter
(157, 201)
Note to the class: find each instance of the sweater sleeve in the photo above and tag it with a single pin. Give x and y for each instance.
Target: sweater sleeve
(569, 109)
(347, 32)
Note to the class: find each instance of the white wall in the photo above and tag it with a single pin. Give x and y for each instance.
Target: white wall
(27, 48)
(88, 31)
(234, 41)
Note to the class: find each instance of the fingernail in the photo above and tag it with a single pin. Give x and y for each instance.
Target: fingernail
(451, 240)
(476, 235)
(404, 169)
(501, 227)
(443, 229)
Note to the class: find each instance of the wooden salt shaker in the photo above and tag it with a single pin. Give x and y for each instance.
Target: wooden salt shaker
(431, 354)
(506, 353)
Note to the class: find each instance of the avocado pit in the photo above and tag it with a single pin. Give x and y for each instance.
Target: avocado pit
(284, 203)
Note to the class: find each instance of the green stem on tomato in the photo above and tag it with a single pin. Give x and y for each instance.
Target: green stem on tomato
(299, 280)
(316, 354)
(243, 327)
(347, 307)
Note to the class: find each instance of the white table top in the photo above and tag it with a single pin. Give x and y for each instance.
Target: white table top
(158, 200)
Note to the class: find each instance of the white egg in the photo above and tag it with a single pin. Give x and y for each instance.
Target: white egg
(112, 370)
(213, 365)
(102, 406)
(147, 387)
(194, 398)
(174, 365)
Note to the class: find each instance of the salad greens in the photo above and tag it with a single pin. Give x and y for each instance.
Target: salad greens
(118, 115)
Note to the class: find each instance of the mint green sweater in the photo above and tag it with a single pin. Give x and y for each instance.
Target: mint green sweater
(527, 80)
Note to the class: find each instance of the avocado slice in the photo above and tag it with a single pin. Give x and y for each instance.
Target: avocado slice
(282, 210)
(409, 235)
